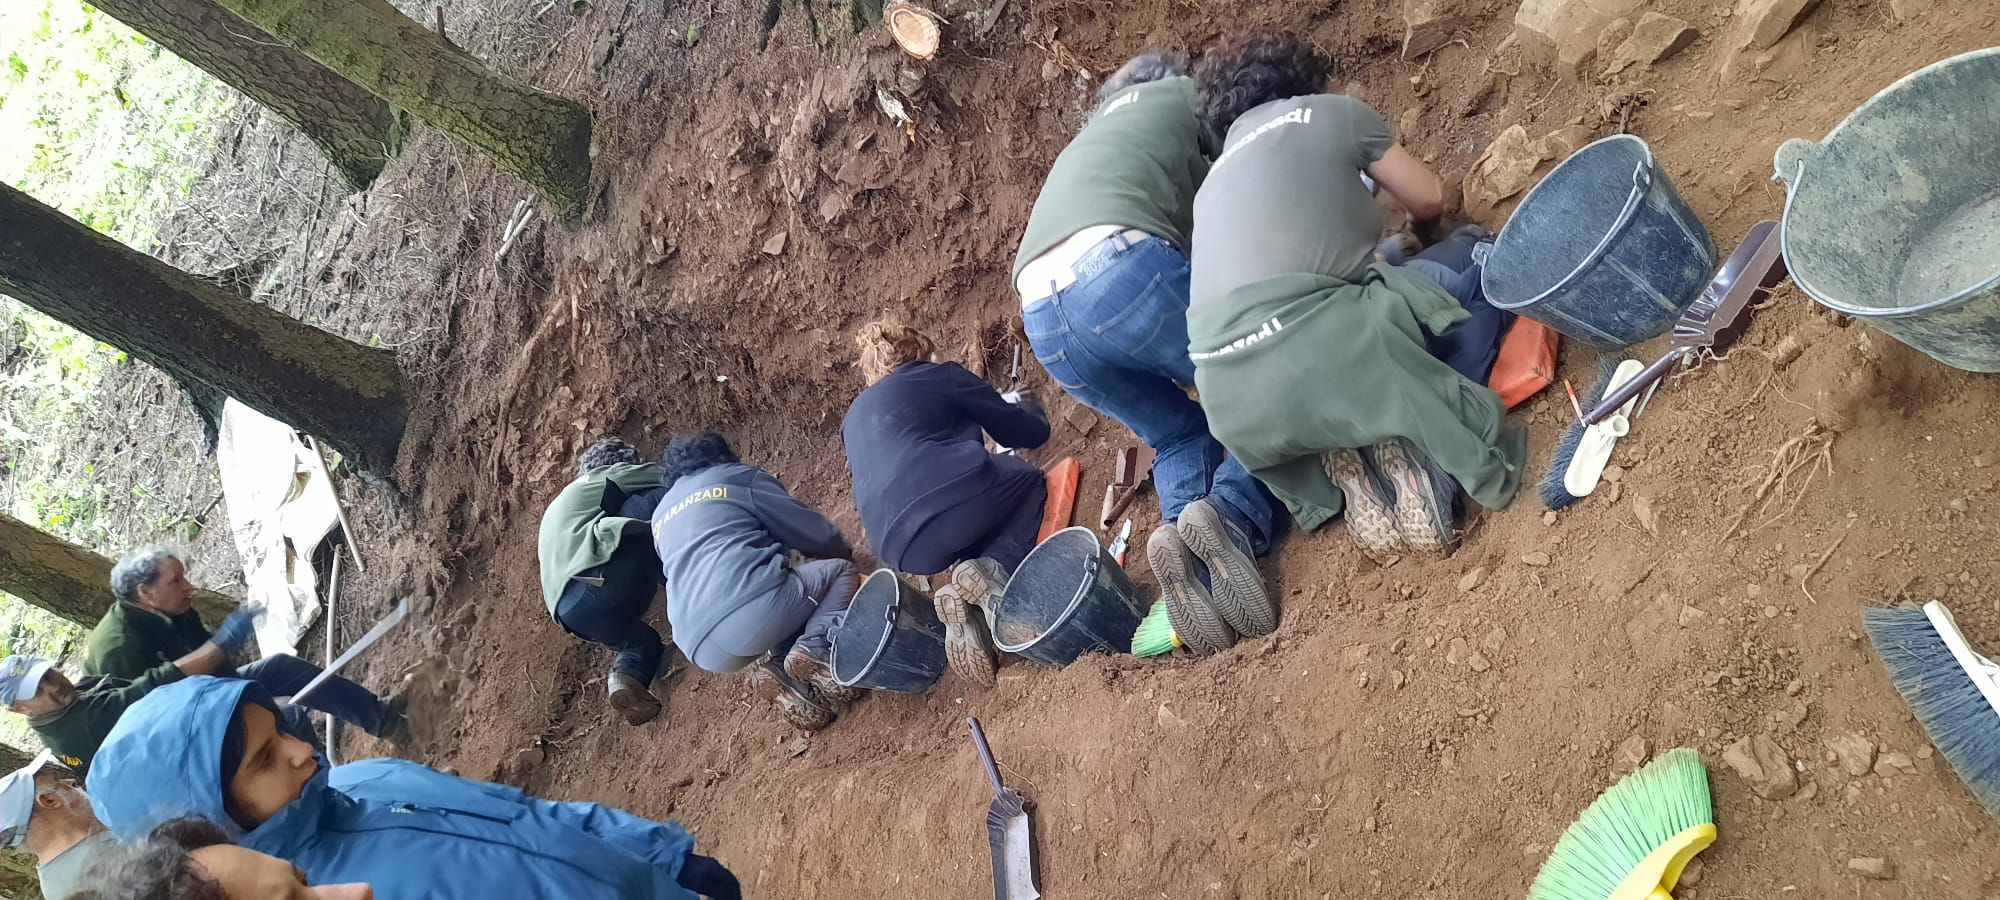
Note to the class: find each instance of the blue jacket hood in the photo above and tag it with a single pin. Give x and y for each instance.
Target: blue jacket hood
(164, 757)
(408, 830)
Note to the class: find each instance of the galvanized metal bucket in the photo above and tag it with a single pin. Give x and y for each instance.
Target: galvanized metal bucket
(1894, 218)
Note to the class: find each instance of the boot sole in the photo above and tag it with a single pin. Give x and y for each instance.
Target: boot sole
(968, 647)
(635, 706)
(801, 711)
(1196, 621)
(1370, 522)
(805, 671)
(1237, 587)
(1423, 518)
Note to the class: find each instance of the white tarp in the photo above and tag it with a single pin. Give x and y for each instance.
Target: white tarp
(281, 506)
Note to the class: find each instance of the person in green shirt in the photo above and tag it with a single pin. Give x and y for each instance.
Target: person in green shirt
(154, 621)
(599, 571)
(72, 718)
(1103, 278)
(1310, 355)
(44, 811)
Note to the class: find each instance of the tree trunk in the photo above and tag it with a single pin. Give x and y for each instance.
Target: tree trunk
(67, 580)
(543, 138)
(357, 130)
(201, 333)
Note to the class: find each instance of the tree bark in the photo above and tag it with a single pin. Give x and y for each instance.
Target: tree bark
(543, 138)
(356, 130)
(67, 580)
(203, 334)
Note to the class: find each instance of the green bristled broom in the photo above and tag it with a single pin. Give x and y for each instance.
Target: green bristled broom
(1633, 842)
(1155, 636)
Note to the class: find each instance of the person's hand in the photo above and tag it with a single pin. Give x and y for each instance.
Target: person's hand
(236, 630)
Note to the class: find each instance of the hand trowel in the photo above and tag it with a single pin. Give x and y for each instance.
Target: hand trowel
(1009, 832)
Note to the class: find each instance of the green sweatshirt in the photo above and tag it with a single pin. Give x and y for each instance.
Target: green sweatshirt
(74, 732)
(132, 639)
(1292, 366)
(577, 533)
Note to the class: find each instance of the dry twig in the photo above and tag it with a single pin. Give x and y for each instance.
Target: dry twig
(1812, 448)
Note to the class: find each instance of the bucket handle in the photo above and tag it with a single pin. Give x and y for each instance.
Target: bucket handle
(1642, 181)
(1789, 164)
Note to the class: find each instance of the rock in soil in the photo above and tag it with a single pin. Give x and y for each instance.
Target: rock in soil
(1535, 558)
(1760, 24)
(1630, 755)
(1655, 38)
(1874, 867)
(1470, 582)
(1894, 764)
(1761, 762)
(1505, 169)
(1430, 24)
(1456, 652)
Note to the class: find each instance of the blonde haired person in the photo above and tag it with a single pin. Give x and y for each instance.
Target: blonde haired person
(931, 497)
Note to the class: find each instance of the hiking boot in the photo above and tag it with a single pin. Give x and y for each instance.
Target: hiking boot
(1233, 581)
(814, 669)
(1189, 608)
(798, 702)
(965, 605)
(1371, 518)
(632, 699)
(394, 724)
(1426, 498)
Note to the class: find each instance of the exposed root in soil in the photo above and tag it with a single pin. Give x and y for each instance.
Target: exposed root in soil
(1809, 451)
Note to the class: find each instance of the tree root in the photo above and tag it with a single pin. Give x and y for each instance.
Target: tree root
(1811, 450)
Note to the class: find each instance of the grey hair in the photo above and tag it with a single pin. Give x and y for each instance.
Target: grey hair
(1143, 68)
(137, 568)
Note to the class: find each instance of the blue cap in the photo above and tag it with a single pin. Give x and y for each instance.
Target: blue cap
(17, 800)
(21, 677)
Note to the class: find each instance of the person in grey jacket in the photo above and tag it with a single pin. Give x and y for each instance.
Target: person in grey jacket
(725, 533)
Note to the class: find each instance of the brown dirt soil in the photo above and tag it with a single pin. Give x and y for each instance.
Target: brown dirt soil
(1357, 753)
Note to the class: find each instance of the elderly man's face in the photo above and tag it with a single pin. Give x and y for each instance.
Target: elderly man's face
(171, 592)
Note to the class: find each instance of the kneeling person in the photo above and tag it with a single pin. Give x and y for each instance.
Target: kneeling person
(599, 572)
(724, 532)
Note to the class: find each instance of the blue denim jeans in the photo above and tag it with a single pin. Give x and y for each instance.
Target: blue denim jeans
(1117, 341)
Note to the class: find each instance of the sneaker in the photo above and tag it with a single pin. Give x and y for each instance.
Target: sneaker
(799, 703)
(394, 724)
(968, 637)
(814, 669)
(1234, 583)
(1189, 607)
(1370, 512)
(1426, 498)
(632, 699)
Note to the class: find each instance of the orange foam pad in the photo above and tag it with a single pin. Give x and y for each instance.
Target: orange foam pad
(1064, 479)
(1527, 361)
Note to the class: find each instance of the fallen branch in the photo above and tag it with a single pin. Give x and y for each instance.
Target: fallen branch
(517, 222)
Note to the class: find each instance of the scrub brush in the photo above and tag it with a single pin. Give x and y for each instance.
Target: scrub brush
(1633, 842)
(1156, 636)
(1954, 691)
(1557, 493)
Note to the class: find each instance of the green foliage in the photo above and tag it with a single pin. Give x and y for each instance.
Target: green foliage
(96, 121)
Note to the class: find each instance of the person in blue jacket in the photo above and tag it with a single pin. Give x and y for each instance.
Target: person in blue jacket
(211, 748)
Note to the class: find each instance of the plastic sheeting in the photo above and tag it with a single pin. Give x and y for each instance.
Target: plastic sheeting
(281, 507)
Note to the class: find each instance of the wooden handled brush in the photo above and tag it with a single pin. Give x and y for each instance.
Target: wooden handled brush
(1718, 317)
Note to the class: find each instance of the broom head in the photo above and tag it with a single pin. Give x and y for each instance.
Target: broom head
(1155, 636)
(1555, 494)
(1633, 842)
(1952, 690)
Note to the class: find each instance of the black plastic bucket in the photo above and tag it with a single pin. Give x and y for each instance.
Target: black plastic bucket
(1068, 598)
(1603, 250)
(890, 640)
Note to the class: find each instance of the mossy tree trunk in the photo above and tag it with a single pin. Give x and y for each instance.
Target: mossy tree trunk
(543, 138)
(356, 130)
(351, 396)
(67, 580)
